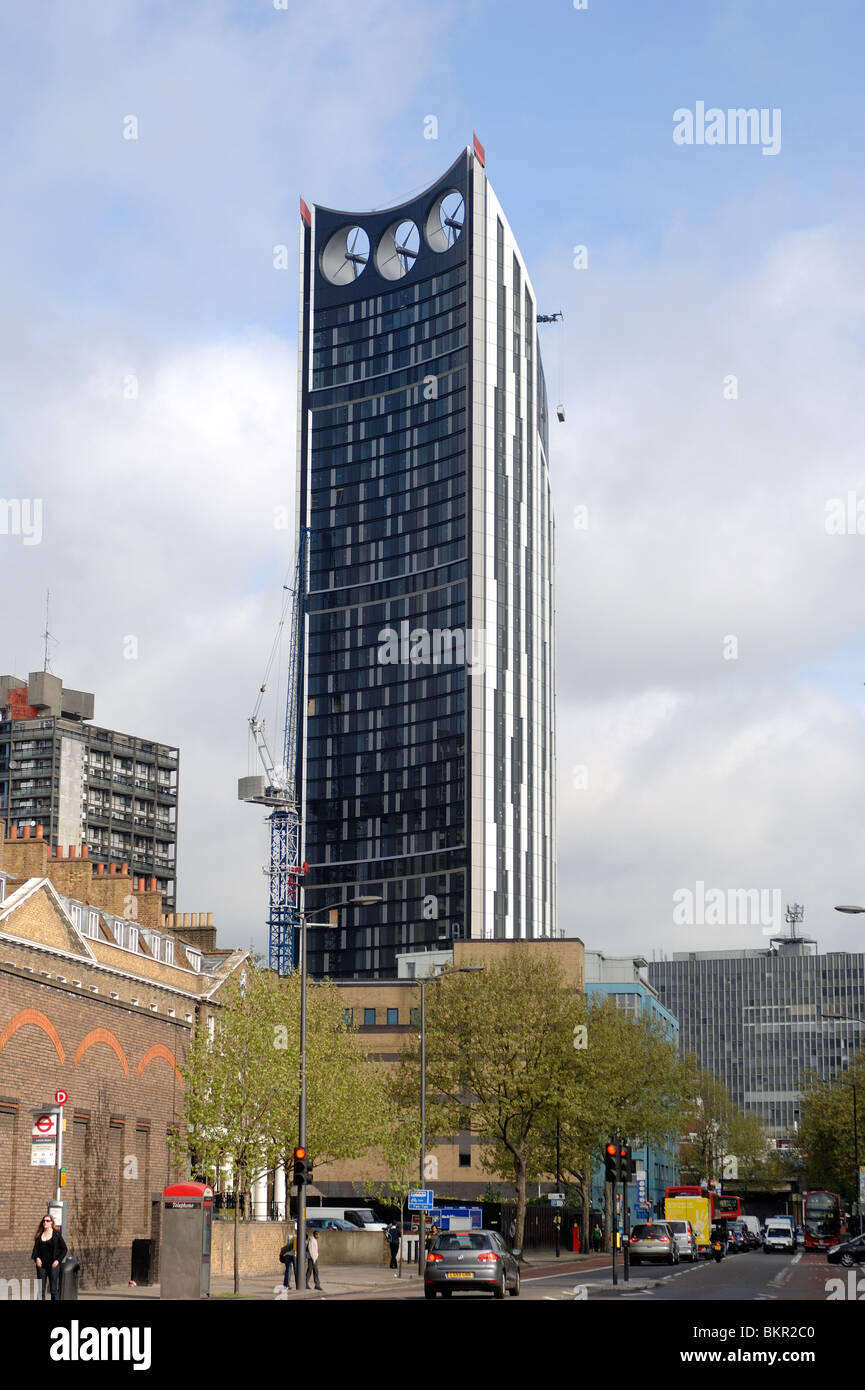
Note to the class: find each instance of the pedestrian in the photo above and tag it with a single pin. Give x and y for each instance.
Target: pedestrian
(49, 1248)
(596, 1238)
(312, 1259)
(393, 1238)
(432, 1231)
(512, 1232)
(288, 1256)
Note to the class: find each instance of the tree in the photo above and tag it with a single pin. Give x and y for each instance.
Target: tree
(825, 1139)
(498, 1048)
(709, 1129)
(628, 1083)
(242, 1086)
(233, 1082)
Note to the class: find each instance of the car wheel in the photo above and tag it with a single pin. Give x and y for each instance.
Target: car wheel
(672, 1260)
(499, 1290)
(847, 1260)
(429, 1293)
(515, 1291)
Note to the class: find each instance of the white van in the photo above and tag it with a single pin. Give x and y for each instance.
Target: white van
(361, 1217)
(753, 1225)
(778, 1235)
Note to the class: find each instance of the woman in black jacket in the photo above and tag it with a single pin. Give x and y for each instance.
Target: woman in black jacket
(49, 1248)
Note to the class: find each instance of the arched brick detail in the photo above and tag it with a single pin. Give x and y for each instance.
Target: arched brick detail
(38, 1020)
(102, 1035)
(161, 1051)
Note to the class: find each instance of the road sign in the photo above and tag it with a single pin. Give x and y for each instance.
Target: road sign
(61, 1097)
(557, 1199)
(43, 1142)
(421, 1199)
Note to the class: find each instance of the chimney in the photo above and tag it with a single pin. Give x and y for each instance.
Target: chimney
(13, 832)
(85, 851)
(153, 885)
(72, 851)
(100, 870)
(39, 832)
(27, 832)
(112, 868)
(124, 868)
(59, 852)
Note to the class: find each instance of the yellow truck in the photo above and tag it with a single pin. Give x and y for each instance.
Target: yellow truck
(696, 1210)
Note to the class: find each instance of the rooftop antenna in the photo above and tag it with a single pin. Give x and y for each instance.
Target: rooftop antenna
(49, 636)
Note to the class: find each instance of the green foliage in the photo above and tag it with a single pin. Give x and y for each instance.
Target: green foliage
(825, 1140)
(242, 1087)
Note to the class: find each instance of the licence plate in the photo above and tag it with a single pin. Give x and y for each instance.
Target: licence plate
(461, 1275)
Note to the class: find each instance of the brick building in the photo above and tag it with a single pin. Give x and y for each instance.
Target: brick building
(99, 992)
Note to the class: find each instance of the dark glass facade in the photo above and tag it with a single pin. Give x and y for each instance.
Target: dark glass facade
(390, 386)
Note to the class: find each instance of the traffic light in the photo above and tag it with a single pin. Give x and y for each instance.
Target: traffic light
(302, 1167)
(618, 1163)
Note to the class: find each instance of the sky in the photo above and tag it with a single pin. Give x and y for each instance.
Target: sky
(710, 633)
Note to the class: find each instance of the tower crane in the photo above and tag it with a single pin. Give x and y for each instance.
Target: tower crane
(278, 787)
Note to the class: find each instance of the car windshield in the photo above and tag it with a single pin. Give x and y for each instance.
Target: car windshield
(649, 1232)
(462, 1241)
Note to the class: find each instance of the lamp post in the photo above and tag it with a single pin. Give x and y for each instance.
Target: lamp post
(458, 970)
(300, 1269)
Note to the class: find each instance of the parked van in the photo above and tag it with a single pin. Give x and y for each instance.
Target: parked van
(363, 1218)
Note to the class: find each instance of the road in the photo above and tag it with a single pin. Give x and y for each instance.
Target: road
(751, 1277)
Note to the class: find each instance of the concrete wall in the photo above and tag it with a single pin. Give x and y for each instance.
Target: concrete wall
(259, 1244)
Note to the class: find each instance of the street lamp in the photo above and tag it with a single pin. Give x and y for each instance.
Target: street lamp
(300, 1270)
(458, 970)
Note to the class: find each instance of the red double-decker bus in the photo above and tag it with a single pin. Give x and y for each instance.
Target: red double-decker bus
(721, 1208)
(821, 1219)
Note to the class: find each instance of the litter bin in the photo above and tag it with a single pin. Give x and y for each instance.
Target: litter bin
(69, 1270)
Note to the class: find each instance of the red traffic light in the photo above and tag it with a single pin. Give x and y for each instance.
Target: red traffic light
(611, 1149)
(300, 1153)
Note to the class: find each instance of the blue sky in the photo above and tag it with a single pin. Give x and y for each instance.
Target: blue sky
(152, 260)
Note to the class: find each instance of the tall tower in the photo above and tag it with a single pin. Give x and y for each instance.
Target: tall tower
(428, 710)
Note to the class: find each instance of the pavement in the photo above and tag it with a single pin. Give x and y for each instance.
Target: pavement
(336, 1280)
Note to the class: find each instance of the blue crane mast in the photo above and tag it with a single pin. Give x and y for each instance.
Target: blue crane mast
(278, 788)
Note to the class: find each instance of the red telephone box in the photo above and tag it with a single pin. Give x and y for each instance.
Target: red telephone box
(184, 1259)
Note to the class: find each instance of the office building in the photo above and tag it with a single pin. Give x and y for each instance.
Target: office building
(84, 785)
(761, 1019)
(622, 979)
(428, 737)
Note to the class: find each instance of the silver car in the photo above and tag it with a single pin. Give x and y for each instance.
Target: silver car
(686, 1241)
(470, 1261)
(653, 1240)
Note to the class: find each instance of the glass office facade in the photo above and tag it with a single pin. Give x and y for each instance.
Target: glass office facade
(427, 713)
(761, 1019)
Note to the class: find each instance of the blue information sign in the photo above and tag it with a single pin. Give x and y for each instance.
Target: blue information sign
(420, 1200)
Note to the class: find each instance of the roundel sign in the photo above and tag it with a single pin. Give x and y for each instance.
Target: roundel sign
(45, 1125)
(61, 1097)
